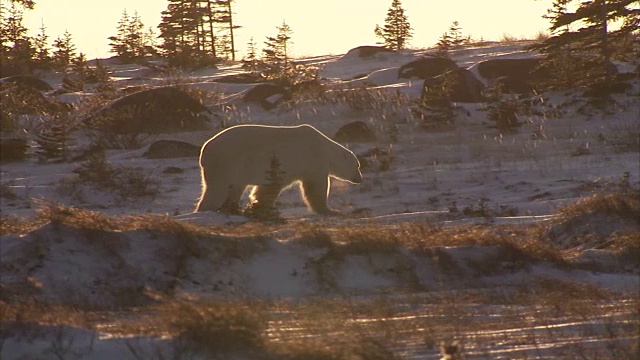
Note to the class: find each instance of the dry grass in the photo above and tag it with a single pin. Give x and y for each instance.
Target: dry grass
(521, 242)
(368, 328)
(19, 225)
(32, 311)
(524, 242)
(218, 328)
(601, 221)
(47, 212)
(623, 204)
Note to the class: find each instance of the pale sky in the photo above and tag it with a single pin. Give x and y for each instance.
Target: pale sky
(329, 27)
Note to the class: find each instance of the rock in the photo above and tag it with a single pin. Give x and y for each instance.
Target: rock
(367, 51)
(356, 131)
(11, 69)
(375, 159)
(516, 75)
(12, 149)
(309, 86)
(267, 95)
(426, 68)
(173, 170)
(603, 89)
(164, 109)
(168, 149)
(28, 81)
(466, 88)
(242, 78)
(23, 100)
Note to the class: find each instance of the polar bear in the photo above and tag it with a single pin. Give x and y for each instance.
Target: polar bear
(242, 156)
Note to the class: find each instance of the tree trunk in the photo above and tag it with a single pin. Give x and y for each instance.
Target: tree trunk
(233, 48)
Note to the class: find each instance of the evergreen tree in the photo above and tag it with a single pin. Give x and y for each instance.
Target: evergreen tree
(197, 32)
(436, 108)
(149, 41)
(276, 52)
(42, 51)
(131, 42)
(15, 45)
(80, 66)
(231, 27)
(222, 15)
(117, 42)
(250, 61)
(64, 51)
(182, 31)
(581, 56)
(52, 142)
(28, 4)
(502, 109)
(135, 36)
(396, 30)
(452, 38)
(176, 31)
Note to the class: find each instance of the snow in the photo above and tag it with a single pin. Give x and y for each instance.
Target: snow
(463, 175)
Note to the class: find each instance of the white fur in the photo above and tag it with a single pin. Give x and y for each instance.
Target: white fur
(241, 156)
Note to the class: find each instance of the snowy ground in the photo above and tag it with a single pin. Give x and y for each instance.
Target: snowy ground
(465, 178)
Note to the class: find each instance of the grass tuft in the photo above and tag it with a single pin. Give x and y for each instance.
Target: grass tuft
(218, 328)
(601, 221)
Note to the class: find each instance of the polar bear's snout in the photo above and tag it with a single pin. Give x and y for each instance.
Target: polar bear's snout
(356, 179)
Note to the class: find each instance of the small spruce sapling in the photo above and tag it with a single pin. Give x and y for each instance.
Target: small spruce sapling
(452, 38)
(52, 143)
(266, 209)
(502, 109)
(437, 108)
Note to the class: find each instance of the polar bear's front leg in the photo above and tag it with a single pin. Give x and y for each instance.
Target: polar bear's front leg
(212, 198)
(315, 193)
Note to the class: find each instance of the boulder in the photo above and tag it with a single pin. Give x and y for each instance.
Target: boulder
(11, 68)
(522, 76)
(375, 159)
(516, 75)
(22, 100)
(267, 95)
(12, 149)
(367, 51)
(27, 81)
(241, 78)
(426, 68)
(167, 149)
(466, 88)
(308, 86)
(356, 131)
(164, 109)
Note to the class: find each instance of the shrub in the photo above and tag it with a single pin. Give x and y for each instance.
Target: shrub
(624, 204)
(53, 141)
(502, 109)
(437, 108)
(126, 182)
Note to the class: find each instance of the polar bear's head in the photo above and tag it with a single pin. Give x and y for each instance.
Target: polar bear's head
(345, 165)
